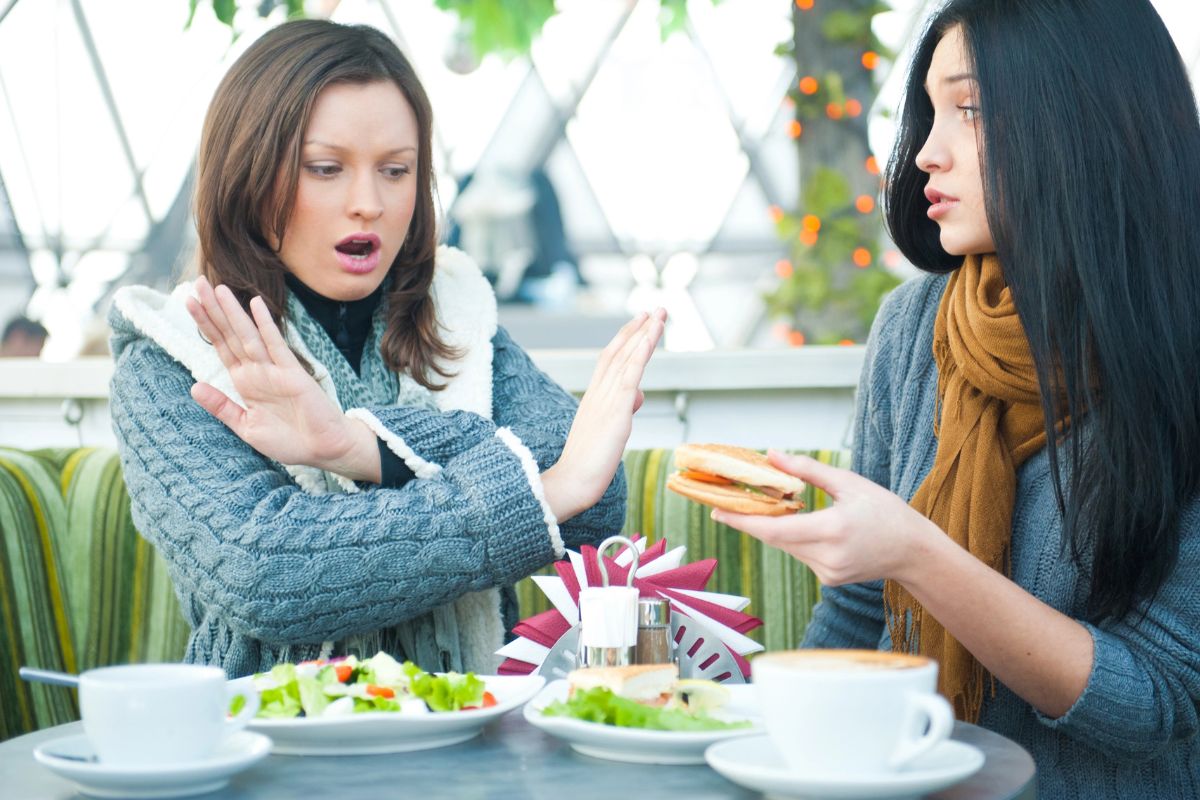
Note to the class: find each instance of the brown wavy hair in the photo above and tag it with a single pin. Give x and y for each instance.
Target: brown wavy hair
(249, 165)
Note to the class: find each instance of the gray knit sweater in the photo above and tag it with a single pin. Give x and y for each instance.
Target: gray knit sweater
(267, 572)
(1133, 731)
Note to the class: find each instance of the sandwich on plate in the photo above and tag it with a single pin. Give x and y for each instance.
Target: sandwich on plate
(734, 479)
(649, 696)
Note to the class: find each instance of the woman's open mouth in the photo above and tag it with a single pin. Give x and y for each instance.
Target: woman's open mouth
(358, 253)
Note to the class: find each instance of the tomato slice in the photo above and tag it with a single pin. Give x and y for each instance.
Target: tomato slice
(380, 691)
(342, 671)
(705, 477)
(489, 699)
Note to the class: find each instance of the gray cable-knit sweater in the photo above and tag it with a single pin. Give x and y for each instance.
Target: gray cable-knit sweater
(1133, 732)
(267, 572)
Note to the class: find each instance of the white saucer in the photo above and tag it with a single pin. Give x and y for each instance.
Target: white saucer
(71, 758)
(753, 762)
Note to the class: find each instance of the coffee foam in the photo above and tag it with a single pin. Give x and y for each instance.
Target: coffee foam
(844, 660)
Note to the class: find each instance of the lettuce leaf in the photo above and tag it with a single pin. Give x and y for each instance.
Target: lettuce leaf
(449, 692)
(602, 706)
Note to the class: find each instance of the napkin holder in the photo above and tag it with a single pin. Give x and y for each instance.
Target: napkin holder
(608, 617)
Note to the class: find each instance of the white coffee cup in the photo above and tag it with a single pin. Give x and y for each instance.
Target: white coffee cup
(850, 712)
(157, 714)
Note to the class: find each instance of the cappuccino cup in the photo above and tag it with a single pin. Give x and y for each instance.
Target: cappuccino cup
(140, 715)
(850, 712)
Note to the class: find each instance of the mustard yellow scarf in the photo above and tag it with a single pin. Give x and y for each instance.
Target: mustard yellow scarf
(990, 422)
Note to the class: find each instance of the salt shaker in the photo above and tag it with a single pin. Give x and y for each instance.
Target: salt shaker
(654, 645)
(608, 618)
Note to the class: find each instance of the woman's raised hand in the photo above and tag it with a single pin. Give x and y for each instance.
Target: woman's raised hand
(287, 416)
(867, 534)
(604, 420)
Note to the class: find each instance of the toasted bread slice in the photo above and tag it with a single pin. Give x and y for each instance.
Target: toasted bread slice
(737, 464)
(642, 682)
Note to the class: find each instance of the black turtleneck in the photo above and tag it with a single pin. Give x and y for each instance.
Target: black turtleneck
(348, 324)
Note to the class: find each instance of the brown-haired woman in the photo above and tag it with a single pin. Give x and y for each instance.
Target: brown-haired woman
(295, 529)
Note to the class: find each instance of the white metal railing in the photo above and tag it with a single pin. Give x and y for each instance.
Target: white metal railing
(796, 398)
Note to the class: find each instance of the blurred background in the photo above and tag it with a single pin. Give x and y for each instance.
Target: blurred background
(597, 157)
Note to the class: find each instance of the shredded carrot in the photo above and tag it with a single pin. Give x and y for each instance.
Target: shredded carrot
(380, 691)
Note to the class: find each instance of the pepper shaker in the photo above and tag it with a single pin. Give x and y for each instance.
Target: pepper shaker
(654, 645)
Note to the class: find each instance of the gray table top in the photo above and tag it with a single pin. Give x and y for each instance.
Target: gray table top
(511, 759)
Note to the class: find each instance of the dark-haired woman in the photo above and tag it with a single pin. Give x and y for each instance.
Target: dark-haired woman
(1024, 503)
(326, 435)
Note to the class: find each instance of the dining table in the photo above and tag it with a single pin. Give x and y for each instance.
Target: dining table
(509, 759)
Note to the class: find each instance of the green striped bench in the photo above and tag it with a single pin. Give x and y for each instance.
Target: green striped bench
(80, 589)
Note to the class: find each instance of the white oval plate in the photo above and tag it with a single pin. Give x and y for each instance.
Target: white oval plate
(391, 731)
(636, 745)
(756, 764)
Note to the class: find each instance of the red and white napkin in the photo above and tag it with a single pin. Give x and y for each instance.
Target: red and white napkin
(658, 574)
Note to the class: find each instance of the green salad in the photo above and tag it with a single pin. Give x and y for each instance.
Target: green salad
(602, 705)
(341, 686)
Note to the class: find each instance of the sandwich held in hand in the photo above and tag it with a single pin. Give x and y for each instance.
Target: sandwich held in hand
(649, 696)
(734, 479)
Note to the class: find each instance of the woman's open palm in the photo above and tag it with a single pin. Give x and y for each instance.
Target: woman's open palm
(286, 416)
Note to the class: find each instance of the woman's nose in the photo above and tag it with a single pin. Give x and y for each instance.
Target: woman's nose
(365, 201)
(933, 156)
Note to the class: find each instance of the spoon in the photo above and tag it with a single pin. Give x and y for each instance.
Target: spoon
(49, 676)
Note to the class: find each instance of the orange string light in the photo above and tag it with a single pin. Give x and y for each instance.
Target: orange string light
(804, 5)
(834, 111)
(853, 107)
(862, 258)
(872, 165)
(808, 85)
(864, 203)
(784, 268)
(870, 59)
(776, 214)
(892, 258)
(846, 342)
(795, 129)
(796, 339)
(811, 222)
(808, 238)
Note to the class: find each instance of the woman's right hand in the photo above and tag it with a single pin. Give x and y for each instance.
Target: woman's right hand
(604, 420)
(286, 416)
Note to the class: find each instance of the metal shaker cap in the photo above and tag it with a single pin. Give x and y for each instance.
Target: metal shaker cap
(653, 612)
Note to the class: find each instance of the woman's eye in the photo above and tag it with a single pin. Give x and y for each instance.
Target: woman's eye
(323, 170)
(395, 173)
(968, 113)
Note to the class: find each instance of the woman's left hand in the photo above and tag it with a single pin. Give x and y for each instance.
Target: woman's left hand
(867, 534)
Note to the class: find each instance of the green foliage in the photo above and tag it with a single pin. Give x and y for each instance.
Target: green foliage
(226, 10)
(504, 27)
(832, 283)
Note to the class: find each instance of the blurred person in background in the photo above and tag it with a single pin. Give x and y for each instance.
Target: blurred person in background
(23, 338)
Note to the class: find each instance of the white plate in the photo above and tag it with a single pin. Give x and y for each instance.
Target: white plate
(72, 758)
(637, 745)
(754, 762)
(391, 731)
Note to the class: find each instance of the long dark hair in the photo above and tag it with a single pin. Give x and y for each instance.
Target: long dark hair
(249, 165)
(1091, 169)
